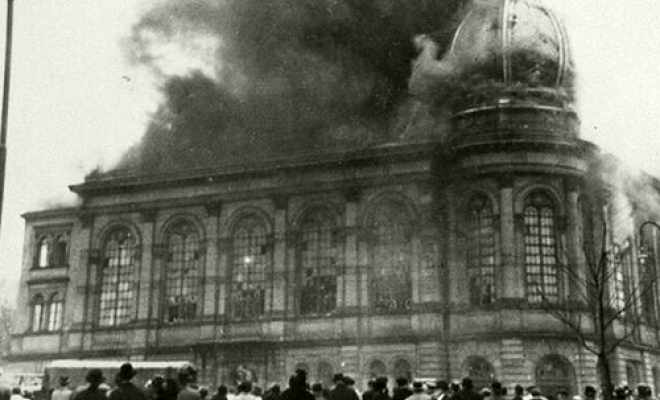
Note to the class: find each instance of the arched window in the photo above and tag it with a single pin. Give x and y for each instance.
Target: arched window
(55, 307)
(182, 268)
(119, 259)
(377, 369)
(251, 265)
(541, 258)
(480, 371)
(38, 313)
(61, 256)
(390, 253)
(555, 373)
(318, 269)
(325, 374)
(480, 251)
(402, 369)
(43, 259)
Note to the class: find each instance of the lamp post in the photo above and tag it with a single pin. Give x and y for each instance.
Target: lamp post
(5, 102)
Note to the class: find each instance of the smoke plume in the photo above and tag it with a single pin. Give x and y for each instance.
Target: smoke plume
(269, 78)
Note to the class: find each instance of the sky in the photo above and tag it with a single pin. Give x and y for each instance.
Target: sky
(77, 102)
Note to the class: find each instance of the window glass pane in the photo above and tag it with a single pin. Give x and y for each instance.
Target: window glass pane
(541, 249)
(116, 279)
(250, 261)
(318, 281)
(182, 269)
(44, 250)
(390, 251)
(481, 251)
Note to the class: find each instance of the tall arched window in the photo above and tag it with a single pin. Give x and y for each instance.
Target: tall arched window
(402, 369)
(541, 258)
(480, 371)
(55, 307)
(377, 369)
(119, 261)
(38, 313)
(555, 373)
(480, 251)
(251, 265)
(390, 253)
(317, 268)
(182, 268)
(43, 259)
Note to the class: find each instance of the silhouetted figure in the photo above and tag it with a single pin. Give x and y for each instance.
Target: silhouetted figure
(401, 391)
(297, 389)
(95, 378)
(341, 390)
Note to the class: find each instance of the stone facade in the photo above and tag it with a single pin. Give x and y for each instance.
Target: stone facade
(429, 258)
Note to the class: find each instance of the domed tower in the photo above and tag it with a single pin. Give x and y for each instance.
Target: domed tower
(510, 178)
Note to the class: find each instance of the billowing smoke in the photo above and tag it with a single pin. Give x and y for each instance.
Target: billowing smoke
(271, 78)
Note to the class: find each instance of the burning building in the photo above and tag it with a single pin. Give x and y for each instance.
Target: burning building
(436, 248)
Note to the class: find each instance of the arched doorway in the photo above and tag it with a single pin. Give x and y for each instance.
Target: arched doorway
(554, 373)
(402, 369)
(480, 371)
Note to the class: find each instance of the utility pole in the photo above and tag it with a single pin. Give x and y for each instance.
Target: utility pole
(5, 102)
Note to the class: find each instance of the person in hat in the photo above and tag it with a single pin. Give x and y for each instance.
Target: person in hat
(418, 392)
(297, 389)
(497, 391)
(467, 391)
(126, 390)
(401, 391)
(589, 393)
(380, 389)
(341, 391)
(441, 391)
(187, 375)
(92, 392)
(62, 392)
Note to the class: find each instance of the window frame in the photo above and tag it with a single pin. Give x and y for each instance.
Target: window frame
(481, 246)
(120, 297)
(540, 240)
(191, 309)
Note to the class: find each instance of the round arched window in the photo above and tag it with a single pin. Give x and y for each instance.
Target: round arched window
(555, 373)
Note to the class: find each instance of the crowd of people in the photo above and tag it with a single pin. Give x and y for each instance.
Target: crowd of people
(183, 387)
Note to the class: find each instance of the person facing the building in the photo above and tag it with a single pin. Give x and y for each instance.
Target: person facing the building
(401, 391)
(95, 378)
(441, 391)
(62, 392)
(187, 375)
(589, 393)
(497, 391)
(380, 389)
(341, 391)
(244, 391)
(126, 390)
(297, 389)
(467, 391)
(418, 392)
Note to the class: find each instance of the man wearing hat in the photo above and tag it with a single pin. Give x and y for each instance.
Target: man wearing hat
(62, 392)
(95, 378)
(418, 392)
(126, 390)
(341, 391)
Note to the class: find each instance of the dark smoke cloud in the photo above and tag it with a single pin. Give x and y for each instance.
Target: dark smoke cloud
(289, 76)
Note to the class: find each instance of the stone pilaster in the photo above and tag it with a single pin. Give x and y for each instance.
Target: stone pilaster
(510, 280)
(576, 272)
(275, 304)
(351, 279)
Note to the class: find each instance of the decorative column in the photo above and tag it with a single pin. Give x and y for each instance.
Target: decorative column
(351, 294)
(81, 300)
(511, 276)
(144, 284)
(277, 299)
(457, 275)
(209, 248)
(575, 257)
